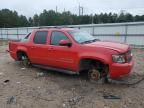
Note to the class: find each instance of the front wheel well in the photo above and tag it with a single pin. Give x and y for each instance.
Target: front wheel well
(20, 54)
(86, 64)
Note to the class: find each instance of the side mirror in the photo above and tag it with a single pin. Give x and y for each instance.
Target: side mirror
(65, 43)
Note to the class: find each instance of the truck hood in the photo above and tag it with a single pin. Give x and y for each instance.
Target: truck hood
(119, 47)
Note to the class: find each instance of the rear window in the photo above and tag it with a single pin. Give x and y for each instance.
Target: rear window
(40, 37)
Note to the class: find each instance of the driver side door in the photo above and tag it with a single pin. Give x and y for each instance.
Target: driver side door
(61, 56)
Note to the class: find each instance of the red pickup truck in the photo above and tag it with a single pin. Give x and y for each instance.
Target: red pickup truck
(73, 51)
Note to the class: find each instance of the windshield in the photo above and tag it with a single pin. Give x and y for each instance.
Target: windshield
(82, 37)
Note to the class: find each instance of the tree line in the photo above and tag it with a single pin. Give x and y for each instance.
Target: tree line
(10, 18)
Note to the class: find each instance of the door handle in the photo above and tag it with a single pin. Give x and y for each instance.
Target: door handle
(33, 47)
(51, 48)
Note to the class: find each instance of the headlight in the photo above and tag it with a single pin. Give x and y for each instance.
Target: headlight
(118, 58)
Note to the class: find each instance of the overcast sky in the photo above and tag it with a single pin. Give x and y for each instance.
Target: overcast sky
(30, 7)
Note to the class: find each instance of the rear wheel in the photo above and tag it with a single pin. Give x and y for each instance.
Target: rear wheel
(25, 61)
(23, 58)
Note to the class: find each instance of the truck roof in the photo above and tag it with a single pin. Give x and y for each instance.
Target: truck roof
(59, 29)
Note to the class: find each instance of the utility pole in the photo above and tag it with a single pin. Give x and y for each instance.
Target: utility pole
(56, 9)
(81, 10)
(92, 19)
(64, 9)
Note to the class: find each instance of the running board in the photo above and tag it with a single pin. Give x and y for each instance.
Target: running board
(56, 69)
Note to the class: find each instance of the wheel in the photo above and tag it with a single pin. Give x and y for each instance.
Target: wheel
(94, 74)
(25, 61)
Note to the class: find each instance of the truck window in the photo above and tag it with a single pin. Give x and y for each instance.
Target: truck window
(56, 37)
(40, 37)
(27, 36)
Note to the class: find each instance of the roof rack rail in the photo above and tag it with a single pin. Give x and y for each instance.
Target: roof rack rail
(58, 27)
(46, 27)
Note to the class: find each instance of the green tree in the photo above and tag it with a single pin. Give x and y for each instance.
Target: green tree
(36, 20)
(10, 18)
(22, 21)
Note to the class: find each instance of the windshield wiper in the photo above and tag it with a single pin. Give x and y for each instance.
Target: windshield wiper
(94, 40)
(90, 41)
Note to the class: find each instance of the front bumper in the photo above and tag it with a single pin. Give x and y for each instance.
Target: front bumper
(118, 70)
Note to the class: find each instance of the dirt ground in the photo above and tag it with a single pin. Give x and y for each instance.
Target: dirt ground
(3, 42)
(37, 88)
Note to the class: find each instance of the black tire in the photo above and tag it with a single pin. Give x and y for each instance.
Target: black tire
(25, 60)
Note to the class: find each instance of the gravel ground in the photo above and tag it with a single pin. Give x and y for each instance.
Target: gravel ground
(37, 88)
